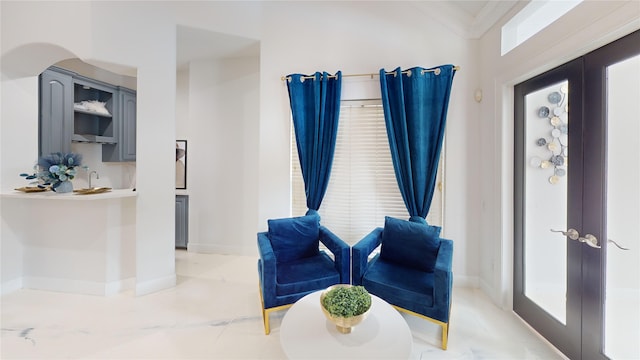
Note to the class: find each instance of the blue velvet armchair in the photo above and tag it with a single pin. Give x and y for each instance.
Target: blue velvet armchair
(412, 272)
(291, 265)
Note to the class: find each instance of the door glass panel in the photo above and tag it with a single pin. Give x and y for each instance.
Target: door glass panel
(622, 304)
(546, 141)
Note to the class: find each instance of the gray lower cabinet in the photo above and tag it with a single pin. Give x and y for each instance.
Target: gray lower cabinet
(56, 112)
(182, 221)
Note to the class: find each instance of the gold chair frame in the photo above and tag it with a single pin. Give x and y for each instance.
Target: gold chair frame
(266, 312)
(444, 325)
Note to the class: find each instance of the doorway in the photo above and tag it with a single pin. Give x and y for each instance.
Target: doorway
(576, 248)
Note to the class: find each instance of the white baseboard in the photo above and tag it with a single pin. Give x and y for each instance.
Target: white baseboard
(11, 286)
(496, 296)
(221, 249)
(488, 289)
(151, 286)
(77, 286)
(86, 287)
(202, 248)
(116, 287)
(466, 281)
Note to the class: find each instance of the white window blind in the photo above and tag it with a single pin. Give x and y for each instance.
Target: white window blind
(363, 187)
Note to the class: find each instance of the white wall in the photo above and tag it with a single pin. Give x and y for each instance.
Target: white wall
(118, 38)
(222, 174)
(587, 27)
(182, 107)
(214, 215)
(110, 34)
(26, 52)
(294, 37)
(347, 43)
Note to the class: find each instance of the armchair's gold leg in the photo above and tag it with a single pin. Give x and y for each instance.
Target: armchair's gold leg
(265, 316)
(445, 335)
(445, 325)
(445, 331)
(265, 313)
(265, 319)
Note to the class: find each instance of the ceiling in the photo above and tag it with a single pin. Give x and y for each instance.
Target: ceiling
(469, 19)
(196, 44)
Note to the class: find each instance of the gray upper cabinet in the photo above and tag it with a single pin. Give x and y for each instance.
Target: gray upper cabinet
(128, 116)
(95, 110)
(125, 127)
(74, 108)
(56, 112)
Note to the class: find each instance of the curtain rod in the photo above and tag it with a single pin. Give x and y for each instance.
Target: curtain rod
(371, 75)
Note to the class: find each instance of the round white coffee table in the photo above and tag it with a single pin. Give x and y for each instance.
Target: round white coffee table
(305, 333)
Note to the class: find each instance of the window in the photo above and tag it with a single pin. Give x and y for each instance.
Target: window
(363, 187)
(534, 17)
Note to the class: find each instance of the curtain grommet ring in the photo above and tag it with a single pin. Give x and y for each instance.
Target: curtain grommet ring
(437, 71)
(408, 73)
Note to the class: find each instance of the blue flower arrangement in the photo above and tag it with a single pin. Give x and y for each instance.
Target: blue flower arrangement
(54, 169)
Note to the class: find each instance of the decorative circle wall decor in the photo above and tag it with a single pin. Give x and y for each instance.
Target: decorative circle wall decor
(556, 141)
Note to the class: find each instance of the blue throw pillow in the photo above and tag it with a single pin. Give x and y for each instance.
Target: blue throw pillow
(410, 244)
(294, 238)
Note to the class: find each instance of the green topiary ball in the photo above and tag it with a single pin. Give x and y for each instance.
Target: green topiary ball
(347, 301)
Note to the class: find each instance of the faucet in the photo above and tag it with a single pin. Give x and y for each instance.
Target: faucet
(97, 177)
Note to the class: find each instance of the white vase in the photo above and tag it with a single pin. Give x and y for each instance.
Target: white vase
(64, 187)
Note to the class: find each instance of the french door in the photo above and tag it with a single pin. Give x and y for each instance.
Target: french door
(577, 160)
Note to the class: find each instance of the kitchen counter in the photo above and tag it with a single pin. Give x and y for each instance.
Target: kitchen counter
(74, 243)
(50, 195)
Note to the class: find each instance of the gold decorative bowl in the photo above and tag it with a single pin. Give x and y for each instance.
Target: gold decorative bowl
(31, 189)
(343, 324)
(93, 190)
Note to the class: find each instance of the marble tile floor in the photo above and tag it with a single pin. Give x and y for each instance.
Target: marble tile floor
(214, 313)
